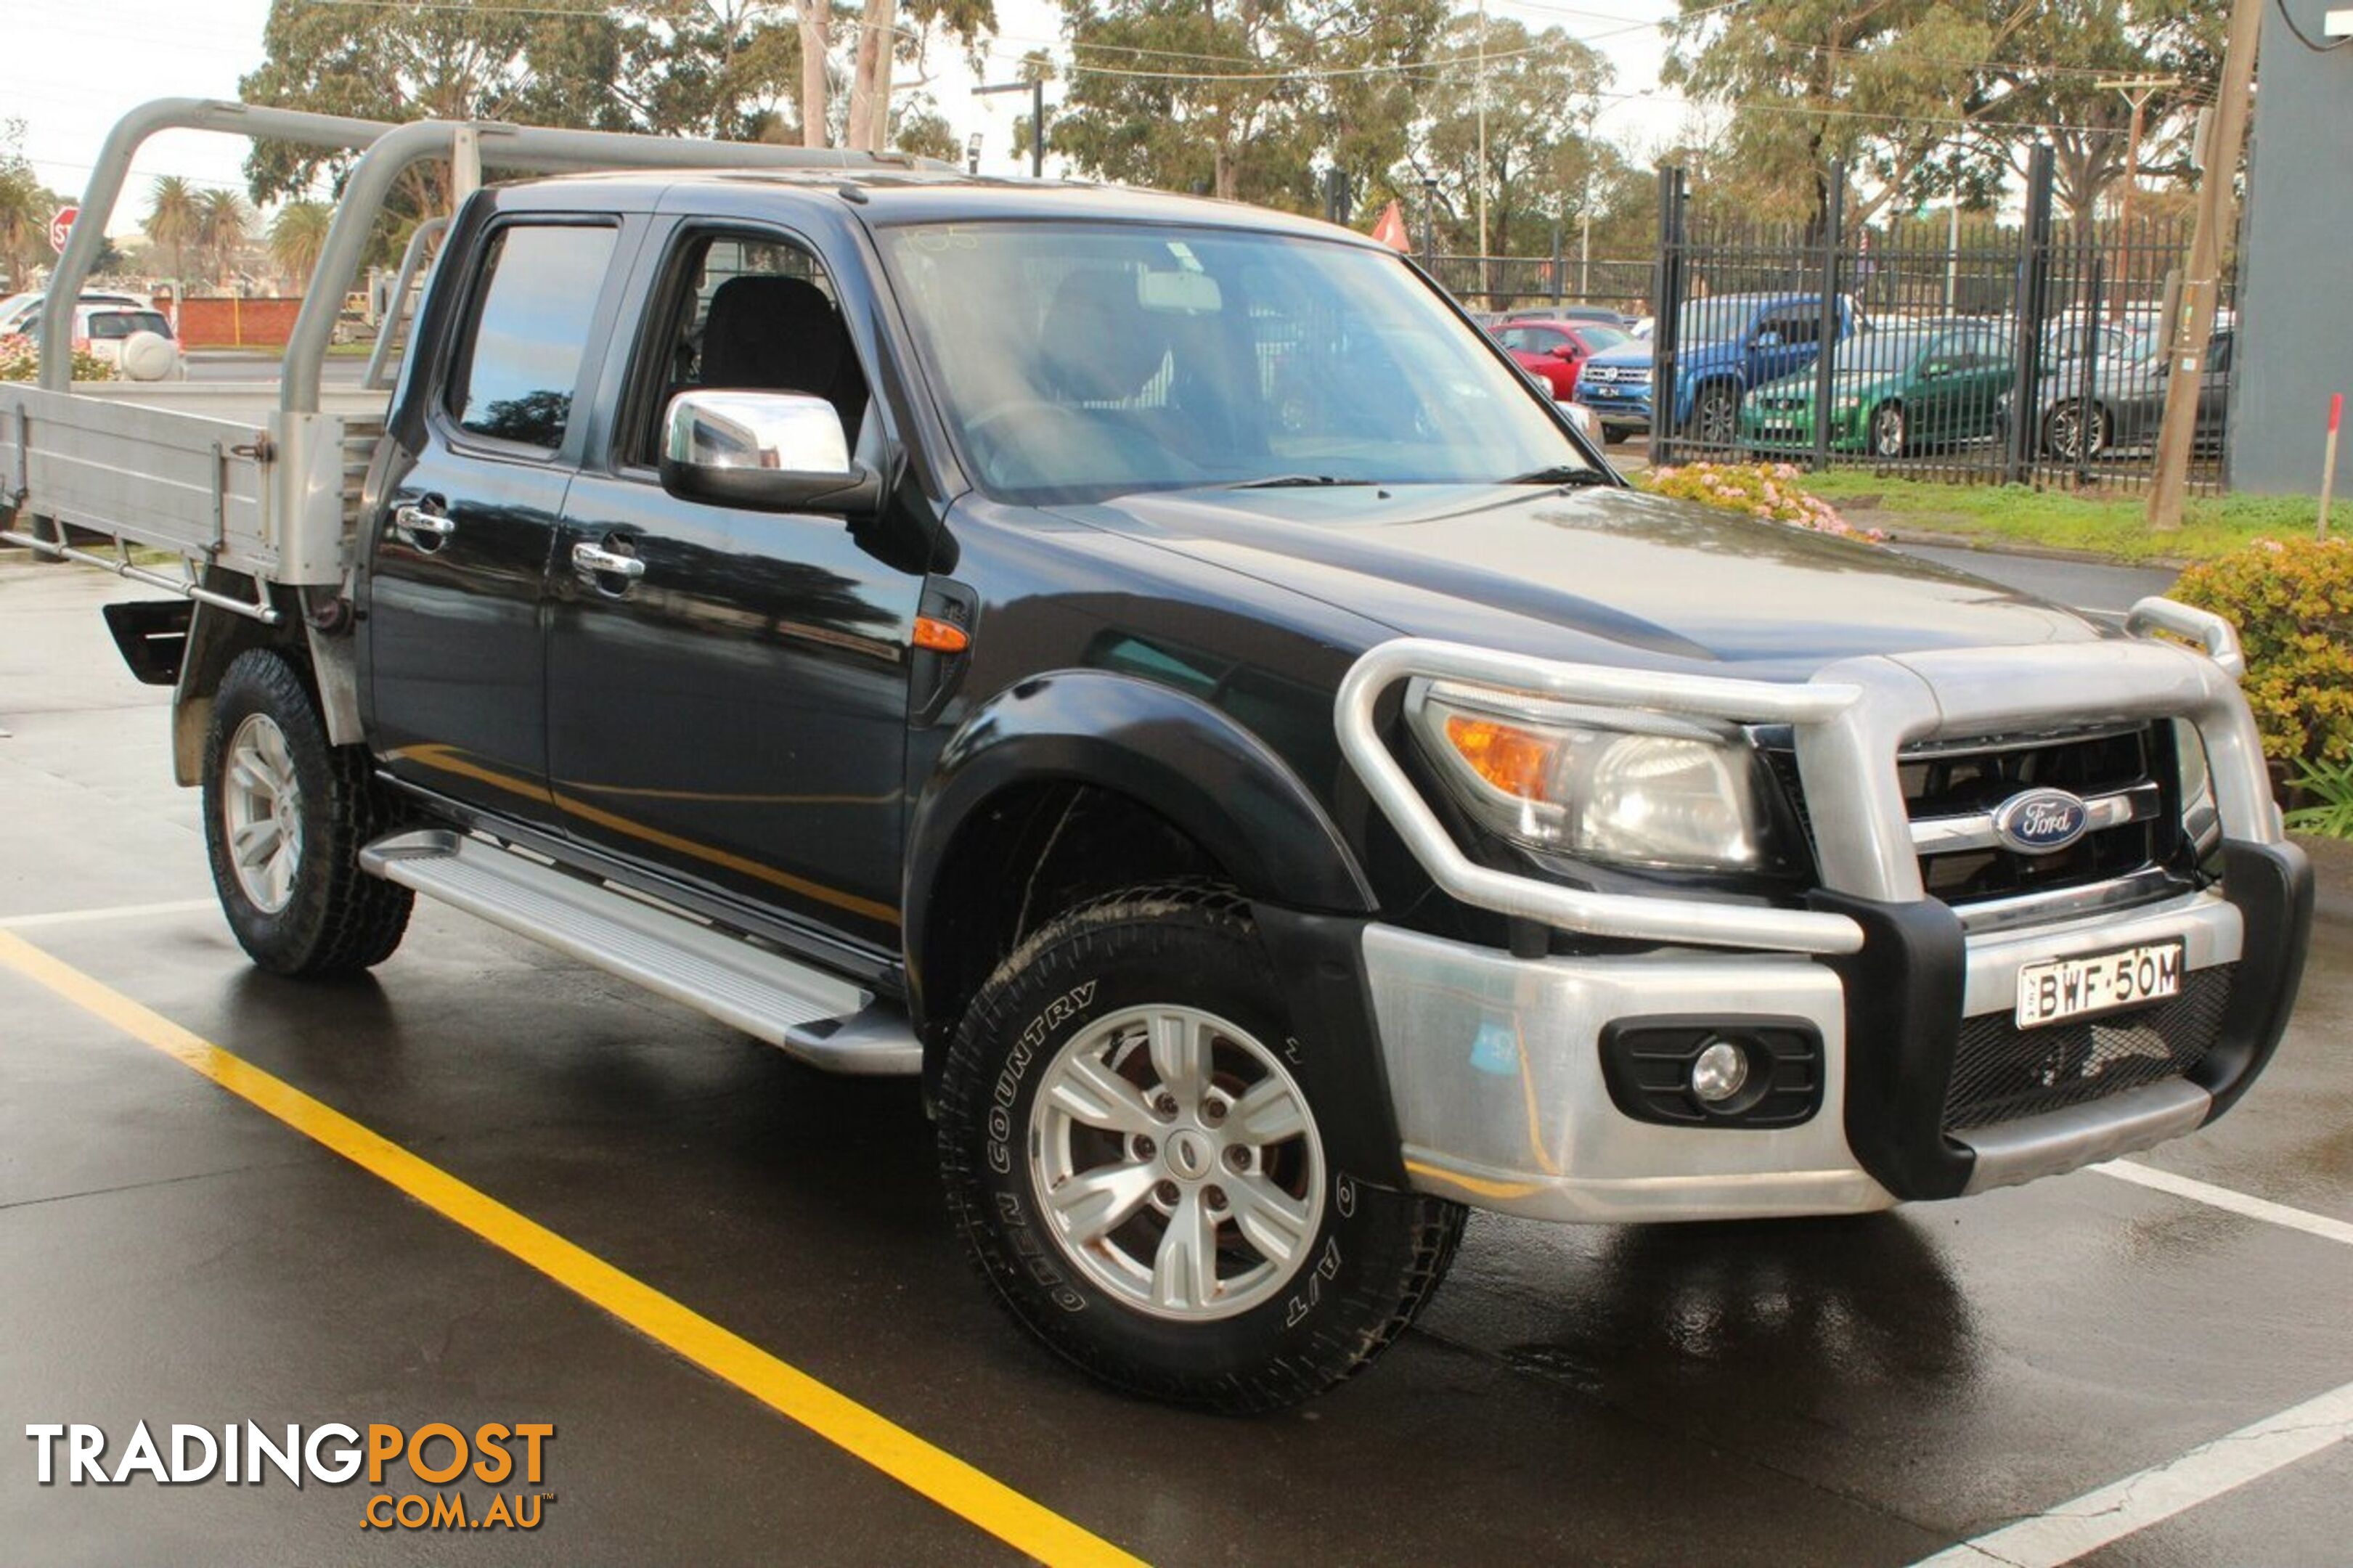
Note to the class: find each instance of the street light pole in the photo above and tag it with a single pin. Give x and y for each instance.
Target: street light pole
(1483, 152)
(1036, 89)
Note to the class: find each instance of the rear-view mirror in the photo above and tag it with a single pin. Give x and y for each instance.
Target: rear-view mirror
(772, 451)
(1183, 292)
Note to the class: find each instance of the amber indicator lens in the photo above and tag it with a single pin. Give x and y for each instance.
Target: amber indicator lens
(941, 636)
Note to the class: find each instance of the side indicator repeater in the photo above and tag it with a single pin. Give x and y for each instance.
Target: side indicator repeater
(941, 636)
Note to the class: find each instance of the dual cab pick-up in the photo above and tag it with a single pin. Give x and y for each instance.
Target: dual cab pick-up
(1153, 669)
(1727, 345)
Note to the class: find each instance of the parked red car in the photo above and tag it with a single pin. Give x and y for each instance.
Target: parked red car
(1553, 350)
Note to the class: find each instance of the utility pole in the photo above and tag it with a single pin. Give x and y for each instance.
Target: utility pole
(2199, 288)
(2137, 91)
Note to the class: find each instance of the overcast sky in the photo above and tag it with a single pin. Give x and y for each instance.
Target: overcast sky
(69, 69)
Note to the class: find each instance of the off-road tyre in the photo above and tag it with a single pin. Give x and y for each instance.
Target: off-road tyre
(1374, 1255)
(336, 919)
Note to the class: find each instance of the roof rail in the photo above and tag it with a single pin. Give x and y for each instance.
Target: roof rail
(388, 152)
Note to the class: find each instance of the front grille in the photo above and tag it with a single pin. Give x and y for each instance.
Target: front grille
(1973, 777)
(2001, 1072)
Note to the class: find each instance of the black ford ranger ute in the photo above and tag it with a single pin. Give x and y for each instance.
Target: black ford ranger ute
(1153, 669)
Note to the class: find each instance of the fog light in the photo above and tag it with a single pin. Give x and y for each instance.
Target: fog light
(1718, 1072)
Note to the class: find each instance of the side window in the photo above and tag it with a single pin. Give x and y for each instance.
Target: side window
(514, 378)
(748, 312)
(2218, 355)
(1792, 327)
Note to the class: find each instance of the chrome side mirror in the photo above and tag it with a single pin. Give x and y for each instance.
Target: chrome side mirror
(774, 451)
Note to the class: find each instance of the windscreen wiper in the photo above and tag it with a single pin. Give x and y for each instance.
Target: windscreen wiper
(1561, 474)
(1293, 481)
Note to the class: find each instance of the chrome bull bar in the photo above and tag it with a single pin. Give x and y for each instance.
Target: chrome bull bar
(1849, 723)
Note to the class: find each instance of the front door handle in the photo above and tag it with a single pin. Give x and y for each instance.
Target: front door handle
(597, 565)
(423, 523)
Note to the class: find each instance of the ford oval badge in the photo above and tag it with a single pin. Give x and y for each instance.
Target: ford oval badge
(2040, 821)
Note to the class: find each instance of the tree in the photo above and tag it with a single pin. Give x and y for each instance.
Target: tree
(1239, 98)
(175, 216)
(223, 225)
(297, 234)
(1539, 89)
(2064, 51)
(1884, 87)
(26, 208)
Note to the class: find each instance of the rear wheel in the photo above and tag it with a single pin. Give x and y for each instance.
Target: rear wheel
(1891, 434)
(285, 818)
(1138, 1170)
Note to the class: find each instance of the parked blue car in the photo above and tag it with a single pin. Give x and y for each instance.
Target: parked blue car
(1726, 344)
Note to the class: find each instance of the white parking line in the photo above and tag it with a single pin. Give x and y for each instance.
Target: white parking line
(2224, 1198)
(114, 913)
(2098, 1518)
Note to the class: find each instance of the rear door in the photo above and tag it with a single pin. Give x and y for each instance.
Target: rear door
(734, 715)
(456, 668)
(1783, 342)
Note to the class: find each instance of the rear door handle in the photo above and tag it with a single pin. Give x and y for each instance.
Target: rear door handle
(594, 563)
(423, 523)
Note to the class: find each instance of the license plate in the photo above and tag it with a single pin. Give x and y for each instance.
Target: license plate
(2067, 988)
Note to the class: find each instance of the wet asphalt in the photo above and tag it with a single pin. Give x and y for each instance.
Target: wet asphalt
(1859, 1391)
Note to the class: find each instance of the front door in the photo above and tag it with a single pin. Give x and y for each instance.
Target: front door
(732, 712)
(456, 676)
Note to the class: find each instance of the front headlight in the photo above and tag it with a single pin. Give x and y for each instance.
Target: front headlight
(1620, 786)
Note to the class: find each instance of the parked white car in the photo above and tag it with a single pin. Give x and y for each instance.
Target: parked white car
(21, 312)
(136, 341)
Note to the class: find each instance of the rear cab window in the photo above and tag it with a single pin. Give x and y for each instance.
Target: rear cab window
(535, 303)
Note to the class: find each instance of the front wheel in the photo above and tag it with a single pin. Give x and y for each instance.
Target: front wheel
(1715, 418)
(286, 815)
(2070, 436)
(1139, 1171)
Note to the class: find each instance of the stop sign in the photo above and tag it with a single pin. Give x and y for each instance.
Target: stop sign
(60, 226)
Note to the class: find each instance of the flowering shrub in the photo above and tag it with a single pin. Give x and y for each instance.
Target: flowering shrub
(1767, 490)
(20, 359)
(2293, 604)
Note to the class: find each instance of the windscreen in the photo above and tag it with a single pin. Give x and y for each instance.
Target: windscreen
(1887, 348)
(1077, 362)
(1715, 320)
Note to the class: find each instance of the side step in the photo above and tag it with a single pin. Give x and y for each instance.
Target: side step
(825, 1021)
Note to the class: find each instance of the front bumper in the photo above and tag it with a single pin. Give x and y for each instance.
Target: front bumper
(1621, 406)
(1495, 1074)
(1792, 429)
(1495, 1067)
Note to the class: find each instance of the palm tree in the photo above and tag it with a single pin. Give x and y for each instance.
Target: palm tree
(297, 234)
(174, 217)
(25, 209)
(221, 225)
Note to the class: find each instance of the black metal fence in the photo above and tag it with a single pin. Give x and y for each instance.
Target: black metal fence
(1505, 282)
(2031, 353)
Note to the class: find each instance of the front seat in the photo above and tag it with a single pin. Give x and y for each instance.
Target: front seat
(782, 334)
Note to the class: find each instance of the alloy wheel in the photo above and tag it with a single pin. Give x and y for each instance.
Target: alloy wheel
(1178, 1163)
(261, 811)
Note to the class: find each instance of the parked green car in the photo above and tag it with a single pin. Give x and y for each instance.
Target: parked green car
(1903, 385)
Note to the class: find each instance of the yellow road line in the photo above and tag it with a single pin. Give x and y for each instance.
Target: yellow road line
(1018, 1521)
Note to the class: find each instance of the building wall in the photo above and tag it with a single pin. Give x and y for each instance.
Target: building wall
(2295, 260)
(236, 323)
